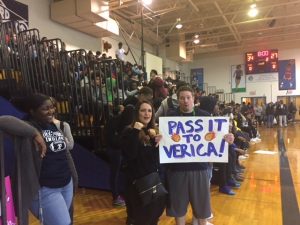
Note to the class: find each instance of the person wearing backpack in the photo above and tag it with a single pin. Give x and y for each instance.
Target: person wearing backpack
(52, 193)
(170, 103)
(65, 129)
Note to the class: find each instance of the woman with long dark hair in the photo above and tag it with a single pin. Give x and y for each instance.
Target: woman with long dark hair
(140, 149)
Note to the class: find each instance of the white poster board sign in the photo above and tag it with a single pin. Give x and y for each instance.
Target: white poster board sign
(193, 139)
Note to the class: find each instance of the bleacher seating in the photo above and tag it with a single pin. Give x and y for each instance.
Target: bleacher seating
(30, 64)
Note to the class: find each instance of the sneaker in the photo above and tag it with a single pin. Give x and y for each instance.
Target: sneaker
(211, 216)
(195, 222)
(239, 178)
(241, 157)
(239, 170)
(257, 139)
(226, 190)
(233, 184)
(119, 201)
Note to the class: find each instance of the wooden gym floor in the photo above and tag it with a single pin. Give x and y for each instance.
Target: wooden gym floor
(269, 195)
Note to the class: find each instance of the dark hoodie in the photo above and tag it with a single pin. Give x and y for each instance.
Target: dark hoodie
(208, 103)
(116, 125)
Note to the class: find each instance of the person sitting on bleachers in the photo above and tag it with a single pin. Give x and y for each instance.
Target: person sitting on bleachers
(252, 129)
(245, 124)
(145, 93)
(132, 86)
(169, 103)
(222, 172)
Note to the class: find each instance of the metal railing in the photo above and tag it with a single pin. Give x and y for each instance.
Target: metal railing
(10, 75)
(70, 77)
(87, 90)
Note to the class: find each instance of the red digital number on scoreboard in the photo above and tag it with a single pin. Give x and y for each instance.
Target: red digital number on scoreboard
(274, 55)
(250, 57)
(262, 53)
(264, 61)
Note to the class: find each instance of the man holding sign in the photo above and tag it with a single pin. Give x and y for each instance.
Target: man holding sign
(191, 139)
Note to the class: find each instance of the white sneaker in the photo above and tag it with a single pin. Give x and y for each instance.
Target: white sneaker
(195, 222)
(211, 216)
(257, 140)
(241, 157)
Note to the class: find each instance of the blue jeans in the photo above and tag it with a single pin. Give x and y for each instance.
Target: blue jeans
(55, 204)
(270, 120)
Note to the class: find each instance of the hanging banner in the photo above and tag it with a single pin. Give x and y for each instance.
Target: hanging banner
(14, 11)
(193, 139)
(197, 78)
(238, 81)
(287, 74)
(262, 77)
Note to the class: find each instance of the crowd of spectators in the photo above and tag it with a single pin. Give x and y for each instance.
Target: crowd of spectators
(120, 90)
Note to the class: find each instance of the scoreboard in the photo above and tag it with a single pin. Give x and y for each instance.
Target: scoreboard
(265, 61)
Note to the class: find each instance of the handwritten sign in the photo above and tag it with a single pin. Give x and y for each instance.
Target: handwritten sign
(193, 139)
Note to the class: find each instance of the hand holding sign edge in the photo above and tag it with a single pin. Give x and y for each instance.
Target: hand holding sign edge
(157, 139)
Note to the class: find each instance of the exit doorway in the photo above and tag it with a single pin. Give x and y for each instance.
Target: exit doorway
(287, 99)
(254, 100)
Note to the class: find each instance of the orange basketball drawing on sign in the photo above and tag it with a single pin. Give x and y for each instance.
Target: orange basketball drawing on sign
(210, 136)
(176, 137)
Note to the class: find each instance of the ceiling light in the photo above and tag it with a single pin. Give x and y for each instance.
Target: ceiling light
(196, 41)
(196, 36)
(253, 11)
(178, 24)
(147, 2)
